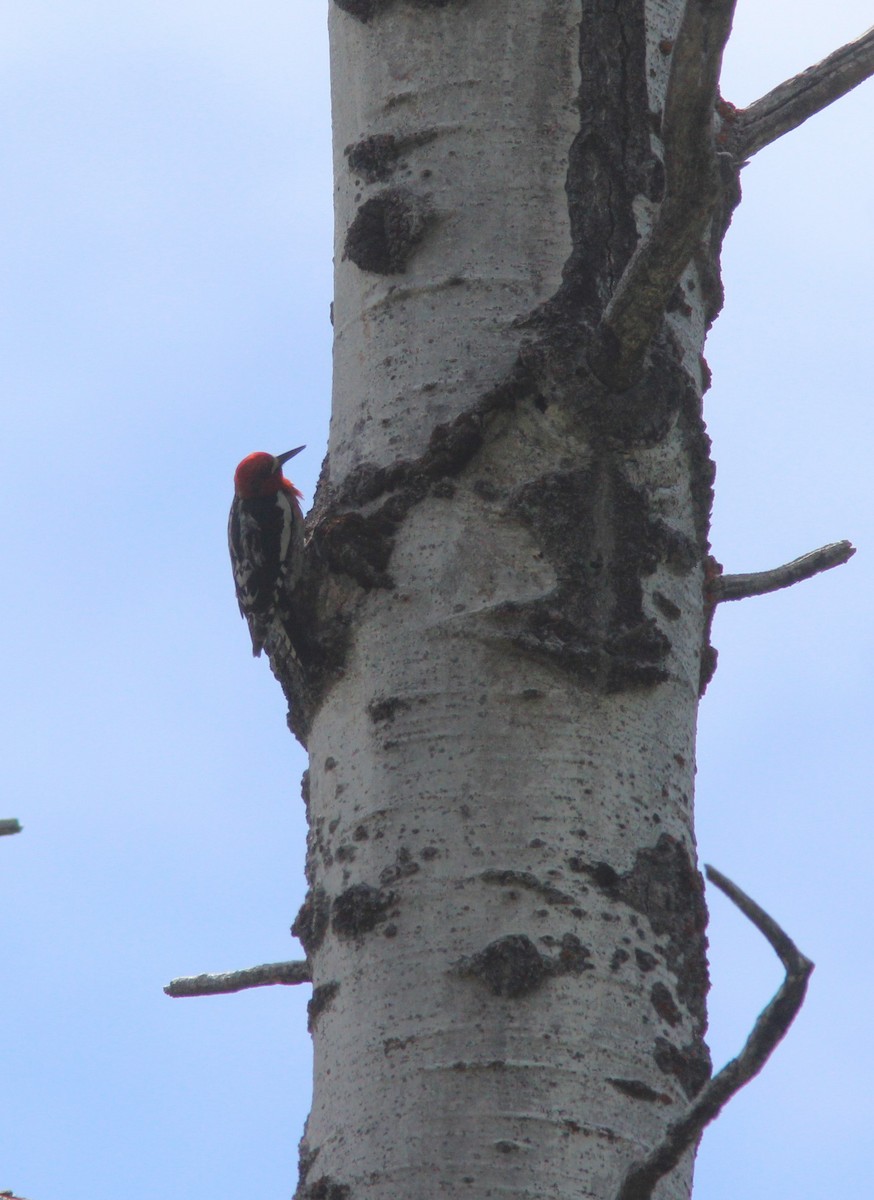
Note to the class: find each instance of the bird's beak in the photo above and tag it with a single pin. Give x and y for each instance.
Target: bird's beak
(283, 458)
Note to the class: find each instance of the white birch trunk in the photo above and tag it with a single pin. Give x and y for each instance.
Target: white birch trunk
(505, 921)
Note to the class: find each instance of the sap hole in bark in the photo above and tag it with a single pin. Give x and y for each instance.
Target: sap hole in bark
(321, 999)
(330, 763)
(619, 957)
(360, 909)
(386, 230)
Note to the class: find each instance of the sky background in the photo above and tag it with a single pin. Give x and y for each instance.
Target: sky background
(165, 233)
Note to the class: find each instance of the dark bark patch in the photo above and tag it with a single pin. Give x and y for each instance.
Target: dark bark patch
(573, 957)
(374, 157)
(689, 1065)
(390, 1045)
(360, 909)
(386, 230)
(665, 1004)
(605, 877)
(325, 1188)
(357, 546)
(618, 958)
(638, 1090)
(485, 489)
(666, 606)
(594, 526)
(610, 152)
(306, 1158)
(403, 866)
(512, 966)
(322, 997)
(385, 708)
(529, 882)
(452, 445)
(364, 10)
(709, 659)
(645, 961)
(664, 886)
(311, 923)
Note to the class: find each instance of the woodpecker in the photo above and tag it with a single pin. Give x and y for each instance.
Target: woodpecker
(265, 536)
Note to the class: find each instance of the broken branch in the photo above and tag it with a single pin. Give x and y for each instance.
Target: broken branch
(638, 305)
(767, 1033)
(790, 104)
(758, 583)
(9, 826)
(236, 981)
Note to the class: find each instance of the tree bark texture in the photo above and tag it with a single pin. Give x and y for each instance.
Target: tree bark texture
(502, 634)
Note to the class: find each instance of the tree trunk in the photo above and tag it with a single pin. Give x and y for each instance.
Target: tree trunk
(501, 638)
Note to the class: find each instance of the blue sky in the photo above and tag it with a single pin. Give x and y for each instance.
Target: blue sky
(165, 232)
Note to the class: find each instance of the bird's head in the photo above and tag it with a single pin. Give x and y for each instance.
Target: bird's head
(260, 474)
